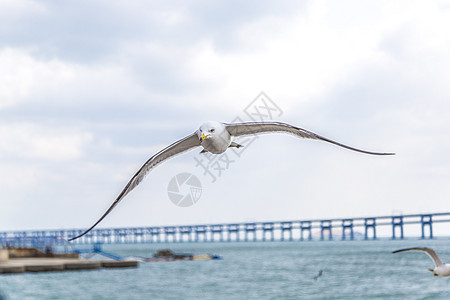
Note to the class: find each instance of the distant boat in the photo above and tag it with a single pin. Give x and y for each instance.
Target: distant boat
(168, 255)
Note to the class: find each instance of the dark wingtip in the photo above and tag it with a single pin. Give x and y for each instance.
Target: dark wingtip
(400, 250)
(92, 227)
(382, 153)
(373, 153)
(76, 237)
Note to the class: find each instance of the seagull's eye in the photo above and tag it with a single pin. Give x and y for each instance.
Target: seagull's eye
(212, 130)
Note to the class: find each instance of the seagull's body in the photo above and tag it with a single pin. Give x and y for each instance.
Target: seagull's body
(440, 269)
(318, 275)
(216, 138)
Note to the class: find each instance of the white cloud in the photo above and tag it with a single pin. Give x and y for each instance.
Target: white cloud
(302, 58)
(89, 102)
(30, 141)
(51, 85)
(22, 76)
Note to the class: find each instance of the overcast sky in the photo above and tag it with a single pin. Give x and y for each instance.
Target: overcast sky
(89, 90)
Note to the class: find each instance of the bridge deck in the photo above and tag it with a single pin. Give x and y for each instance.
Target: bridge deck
(250, 231)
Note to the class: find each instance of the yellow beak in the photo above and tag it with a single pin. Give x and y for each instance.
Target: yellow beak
(203, 137)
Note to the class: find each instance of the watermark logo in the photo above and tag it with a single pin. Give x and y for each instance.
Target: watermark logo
(184, 189)
(262, 108)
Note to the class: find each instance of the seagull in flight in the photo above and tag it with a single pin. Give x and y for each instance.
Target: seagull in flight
(216, 138)
(440, 269)
(318, 275)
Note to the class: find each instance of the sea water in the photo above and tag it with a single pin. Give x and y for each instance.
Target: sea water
(252, 270)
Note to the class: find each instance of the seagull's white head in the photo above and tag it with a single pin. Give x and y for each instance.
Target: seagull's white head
(209, 130)
(214, 137)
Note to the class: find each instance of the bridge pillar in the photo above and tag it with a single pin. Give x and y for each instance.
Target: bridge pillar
(121, 235)
(169, 231)
(397, 221)
(217, 229)
(73, 233)
(286, 226)
(131, 235)
(200, 230)
(156, 234)
(370, 223)
(20, 238)
(148, 235)
(185, 230)
(347, 224)
(268, 227)
(326, 225)
(427, 220)
(305, 226)
(89, 237)
(139, 235)
(54, 234)
(93, 236)
(233, 228)
(250, 228)
(35, 235)
(103, 234)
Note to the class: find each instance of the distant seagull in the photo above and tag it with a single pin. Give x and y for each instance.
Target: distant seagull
(440, 269)
(215, 137)
(318, 275)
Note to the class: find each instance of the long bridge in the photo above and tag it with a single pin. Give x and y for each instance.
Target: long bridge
(300, 230)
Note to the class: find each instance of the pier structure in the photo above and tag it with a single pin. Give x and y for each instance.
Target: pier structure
(200, 231)
(286, 227)
(233, 230)
(397, 222)
(305, 226)
(427, 221)
(250, 229)
(186, 231)
(347, 225)
(217, 230)
(326, 226)
(268, 227)
(294, 230)
(370, 224)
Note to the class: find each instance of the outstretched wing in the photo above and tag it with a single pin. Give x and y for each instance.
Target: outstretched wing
(249, 128)
(431, 253)
(178, 147)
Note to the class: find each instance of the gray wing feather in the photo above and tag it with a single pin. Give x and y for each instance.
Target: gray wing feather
(249, 128)
(178, 147)
(430, 252)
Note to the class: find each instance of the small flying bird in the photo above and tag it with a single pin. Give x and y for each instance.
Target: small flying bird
(215, 137)
(318, 275)
(440, 269)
